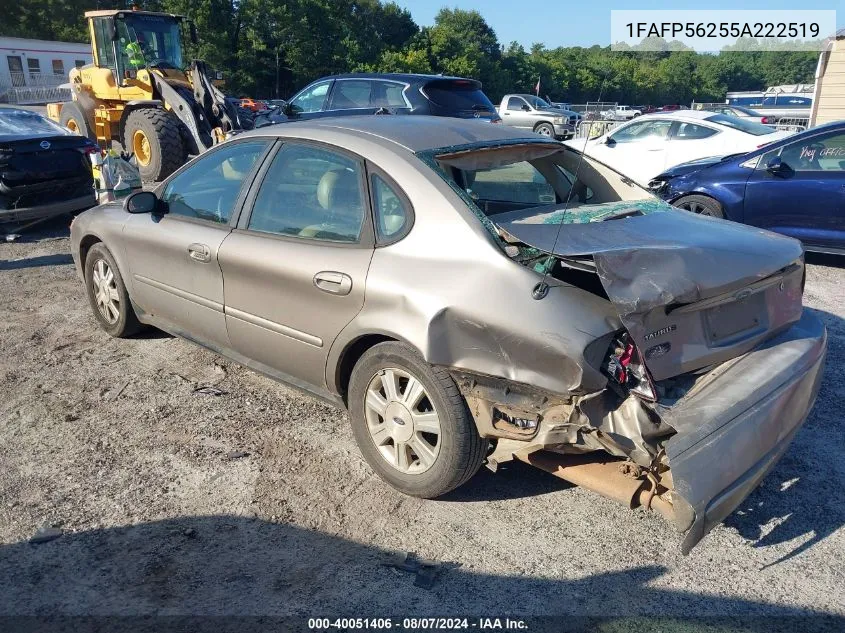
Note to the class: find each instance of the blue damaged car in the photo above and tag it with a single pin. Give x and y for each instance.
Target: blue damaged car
(795, 186)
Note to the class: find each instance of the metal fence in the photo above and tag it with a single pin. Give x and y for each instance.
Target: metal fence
(794, 124)
(30, 88)
(594, 129)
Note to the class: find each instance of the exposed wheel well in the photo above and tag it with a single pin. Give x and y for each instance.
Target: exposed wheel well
(350, 356)
(85, 245)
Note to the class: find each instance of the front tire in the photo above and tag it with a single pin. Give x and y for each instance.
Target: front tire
(411, 423)
(74, 118)
(545, 129)
(107, 294)
(702, 205)
(152, 134)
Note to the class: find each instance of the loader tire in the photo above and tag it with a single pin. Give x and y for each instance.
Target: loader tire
(74, 118)
(152, 134)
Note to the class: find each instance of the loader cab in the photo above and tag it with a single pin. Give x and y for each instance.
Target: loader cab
(125, 42)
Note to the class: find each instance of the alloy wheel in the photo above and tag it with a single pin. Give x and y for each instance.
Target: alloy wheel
(106, 295)
(696, 207)
(402, 421)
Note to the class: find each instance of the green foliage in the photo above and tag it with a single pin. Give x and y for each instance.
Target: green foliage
(269, 48)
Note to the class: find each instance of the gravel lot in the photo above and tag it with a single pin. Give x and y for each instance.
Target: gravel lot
(257, 501)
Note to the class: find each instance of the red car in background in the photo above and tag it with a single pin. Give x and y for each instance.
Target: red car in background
(253, 105)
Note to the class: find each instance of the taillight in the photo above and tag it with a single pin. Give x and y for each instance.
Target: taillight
(767, 120)
(626, 370)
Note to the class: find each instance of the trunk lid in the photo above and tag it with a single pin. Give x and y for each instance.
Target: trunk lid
(692, 291)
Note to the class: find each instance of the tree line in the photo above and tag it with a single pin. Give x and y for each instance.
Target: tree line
(271, 48)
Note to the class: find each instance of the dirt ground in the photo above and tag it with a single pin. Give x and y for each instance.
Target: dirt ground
(256, 501)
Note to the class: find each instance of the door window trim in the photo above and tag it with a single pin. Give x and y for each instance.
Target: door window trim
(367, 237)
(241, 197)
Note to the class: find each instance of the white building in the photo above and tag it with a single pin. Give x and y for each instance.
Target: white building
(829, 104)
(27, 65)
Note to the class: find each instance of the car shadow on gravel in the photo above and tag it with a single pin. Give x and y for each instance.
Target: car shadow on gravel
(512, 480)
(36, 262)
(229, 565)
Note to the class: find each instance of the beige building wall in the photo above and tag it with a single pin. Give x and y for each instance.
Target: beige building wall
(829, 102)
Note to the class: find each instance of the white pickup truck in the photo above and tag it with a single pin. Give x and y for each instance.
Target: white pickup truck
(620, 113)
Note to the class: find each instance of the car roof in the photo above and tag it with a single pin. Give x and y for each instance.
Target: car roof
(407, 77)
(414, 133)
(691, 115)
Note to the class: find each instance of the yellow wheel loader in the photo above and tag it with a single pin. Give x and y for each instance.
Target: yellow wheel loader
(138, 93)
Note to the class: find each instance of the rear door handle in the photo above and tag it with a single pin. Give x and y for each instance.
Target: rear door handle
(333, 282)
(199, 252)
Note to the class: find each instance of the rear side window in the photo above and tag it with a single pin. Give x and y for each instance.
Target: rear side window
(392, 215)
(457, 95)
(692, 132)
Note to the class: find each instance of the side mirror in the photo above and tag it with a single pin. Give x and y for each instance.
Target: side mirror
(141, 202)
(525, 108)
(609, 141)
(192, 29)
(776, 166)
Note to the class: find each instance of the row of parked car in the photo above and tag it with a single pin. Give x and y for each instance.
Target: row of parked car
(695, 160)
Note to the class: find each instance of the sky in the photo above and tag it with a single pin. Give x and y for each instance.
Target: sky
(579, 22)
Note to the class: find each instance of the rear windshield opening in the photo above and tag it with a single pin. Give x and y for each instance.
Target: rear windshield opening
(514, 180)
(459, 94)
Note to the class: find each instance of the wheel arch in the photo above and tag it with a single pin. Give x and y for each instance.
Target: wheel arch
(349, 355)
(85, 245)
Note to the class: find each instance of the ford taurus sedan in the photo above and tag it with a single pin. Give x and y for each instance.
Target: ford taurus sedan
(470, 293)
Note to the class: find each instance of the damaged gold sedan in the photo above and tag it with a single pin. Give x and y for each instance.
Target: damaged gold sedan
(471, 294)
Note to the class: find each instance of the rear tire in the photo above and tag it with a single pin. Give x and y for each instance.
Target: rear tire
(153, 135)
(107, 294)
(74, 118)
(701, 205)
(452, 451)
(545, 129)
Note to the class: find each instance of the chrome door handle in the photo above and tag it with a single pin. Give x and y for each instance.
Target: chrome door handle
(333, 282)
(199, 252)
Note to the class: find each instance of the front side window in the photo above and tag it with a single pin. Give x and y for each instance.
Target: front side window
(825, 153)
(209, 188)
(515, 103)
(310, 192)
(311, 99)
(641, 131)
(692, 132)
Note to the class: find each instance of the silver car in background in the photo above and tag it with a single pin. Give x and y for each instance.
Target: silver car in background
(471, 292)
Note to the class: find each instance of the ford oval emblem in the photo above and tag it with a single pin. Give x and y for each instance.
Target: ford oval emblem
(45, 144)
